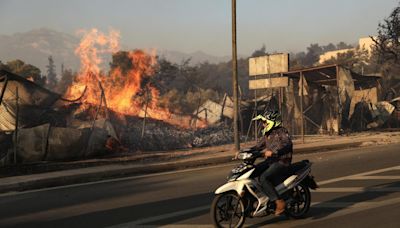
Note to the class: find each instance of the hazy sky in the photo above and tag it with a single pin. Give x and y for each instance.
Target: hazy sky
(192, 25)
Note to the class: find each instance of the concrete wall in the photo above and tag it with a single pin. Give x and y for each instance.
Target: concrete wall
(363, 43)
(366, 43)
(332, 54)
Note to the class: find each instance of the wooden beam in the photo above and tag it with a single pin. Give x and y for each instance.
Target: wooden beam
(324, 74)
(3, 90)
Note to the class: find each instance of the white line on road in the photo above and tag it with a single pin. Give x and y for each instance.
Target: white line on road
(104, 205)
(161, 217)
(358, 189)
(117, 179)
(316, 204)
(362, 206)
(357, 175)
(349, 206)
(375, 178)
(352, 204)
(186, 226)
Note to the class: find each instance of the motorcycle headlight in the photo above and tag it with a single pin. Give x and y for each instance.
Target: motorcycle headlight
(244, 156)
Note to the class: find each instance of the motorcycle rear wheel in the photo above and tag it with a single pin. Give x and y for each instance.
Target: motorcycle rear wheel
(300, 205)
(228, 210)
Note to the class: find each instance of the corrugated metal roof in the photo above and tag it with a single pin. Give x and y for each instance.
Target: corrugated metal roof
(33, 101)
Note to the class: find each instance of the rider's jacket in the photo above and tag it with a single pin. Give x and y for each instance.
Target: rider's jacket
(278, 141)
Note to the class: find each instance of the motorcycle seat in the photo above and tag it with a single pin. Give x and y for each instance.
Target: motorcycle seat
(297, 166)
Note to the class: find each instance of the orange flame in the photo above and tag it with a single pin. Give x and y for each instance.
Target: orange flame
(125, 93)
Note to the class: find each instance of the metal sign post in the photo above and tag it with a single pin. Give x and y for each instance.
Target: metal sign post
(301, 106)
(266, 66)
(235, 80)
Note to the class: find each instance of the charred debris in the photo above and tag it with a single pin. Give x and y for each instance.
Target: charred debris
(39, 125)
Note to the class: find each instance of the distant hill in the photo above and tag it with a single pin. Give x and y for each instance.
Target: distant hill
(35, 46)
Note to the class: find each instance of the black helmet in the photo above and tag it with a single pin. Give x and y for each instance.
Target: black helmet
(272, 118)
(272, 115)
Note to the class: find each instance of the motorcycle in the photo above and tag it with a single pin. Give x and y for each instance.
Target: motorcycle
(242, 196)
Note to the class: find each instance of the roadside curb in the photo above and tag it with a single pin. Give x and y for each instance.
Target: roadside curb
(61, 178)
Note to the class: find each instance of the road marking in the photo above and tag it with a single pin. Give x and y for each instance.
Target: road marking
(351, 204)
(66, 212)
(375, 178)
(183, 171)
(185, 226)
(357, 175)
(116, 180)
(358, 189)
(345, 211)
(161, 217)
(349, 207)
(315, 204)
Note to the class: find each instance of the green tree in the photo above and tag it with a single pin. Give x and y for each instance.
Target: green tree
(122, 61)
(329, 47)
(356, 60)
(388, 39)
(51, 73)
(386, 52)
(312, 56)
(260, 52)
(27, 71)
(172, 100)
(66, 80)
(343, 45)
(2, 66)
(166, 73)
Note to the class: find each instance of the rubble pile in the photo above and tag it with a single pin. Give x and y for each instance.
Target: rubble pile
(159, 135)
(368, 115)
(215, 135)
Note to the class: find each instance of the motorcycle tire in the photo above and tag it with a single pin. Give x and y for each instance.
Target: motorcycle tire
(300, 205)
(223, 212)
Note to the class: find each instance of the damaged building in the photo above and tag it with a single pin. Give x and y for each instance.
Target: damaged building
(324, 99)
(328, 99)
(38, 125)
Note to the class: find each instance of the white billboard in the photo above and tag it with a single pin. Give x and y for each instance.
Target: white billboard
(269, 83)
(269, 64)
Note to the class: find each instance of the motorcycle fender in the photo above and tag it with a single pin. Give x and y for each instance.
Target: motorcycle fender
(310, 182)
(237, 186)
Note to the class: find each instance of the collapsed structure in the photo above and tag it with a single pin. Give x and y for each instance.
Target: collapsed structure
(324, 99)
(37, 124)
(328, 99)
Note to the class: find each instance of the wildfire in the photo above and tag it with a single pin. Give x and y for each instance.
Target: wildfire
(128, 93)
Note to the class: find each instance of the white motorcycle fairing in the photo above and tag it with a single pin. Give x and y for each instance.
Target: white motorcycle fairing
(237, 185)
(254, 187)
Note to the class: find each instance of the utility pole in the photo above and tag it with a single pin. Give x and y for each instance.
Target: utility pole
(235, 80)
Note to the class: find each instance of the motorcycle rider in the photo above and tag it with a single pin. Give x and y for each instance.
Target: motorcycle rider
(277, 147)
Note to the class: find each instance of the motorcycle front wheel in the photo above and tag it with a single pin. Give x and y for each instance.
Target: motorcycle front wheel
(227, 210)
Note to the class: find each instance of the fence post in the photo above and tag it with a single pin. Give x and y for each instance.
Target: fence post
(16, 125)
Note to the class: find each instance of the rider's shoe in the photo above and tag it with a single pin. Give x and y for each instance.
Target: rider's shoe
(280, 206)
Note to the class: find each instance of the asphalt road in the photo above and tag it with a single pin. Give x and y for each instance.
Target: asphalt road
(359, 188)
